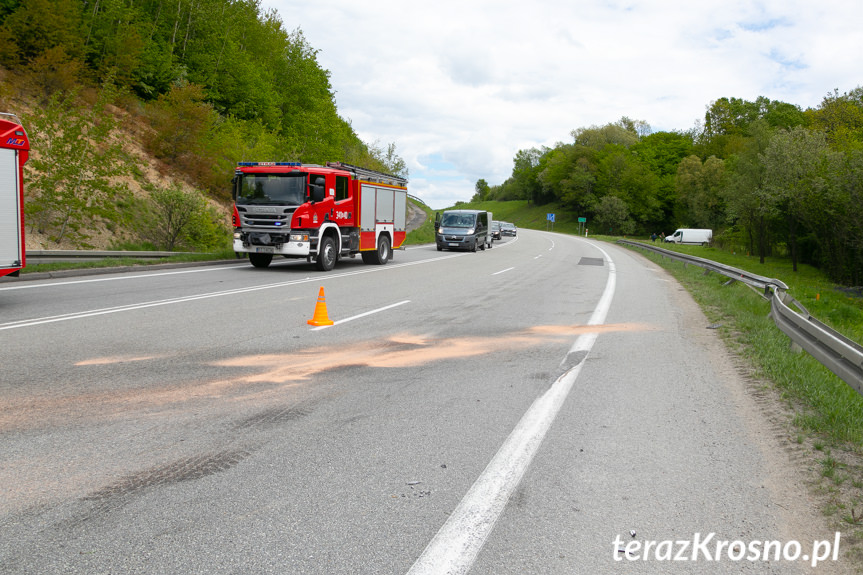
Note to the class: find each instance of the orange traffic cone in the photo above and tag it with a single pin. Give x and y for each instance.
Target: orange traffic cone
(320, 317)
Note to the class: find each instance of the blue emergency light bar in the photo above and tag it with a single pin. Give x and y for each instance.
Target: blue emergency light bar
(248, 164)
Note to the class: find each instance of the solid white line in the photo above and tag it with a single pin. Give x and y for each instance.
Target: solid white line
(126, 276)
(503, 271)
(131, 307)
(347, 319)
(455, 547)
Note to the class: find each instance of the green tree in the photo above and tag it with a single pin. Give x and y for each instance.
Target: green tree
(38, 25)
(700, 189)
(844, 259)
(794, 163)
(727, 122)
(840, 117)
(53, 72)
(387, 161)
(113, 33)
(181, 118)
(662, 153)
(612, 217)
(482, 190)
(623, 133)
(746, 199)
(620, 174)
(568, 174)
(525, 174)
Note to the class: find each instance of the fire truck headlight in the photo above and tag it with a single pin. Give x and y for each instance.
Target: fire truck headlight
(237, 235)
(299, 237)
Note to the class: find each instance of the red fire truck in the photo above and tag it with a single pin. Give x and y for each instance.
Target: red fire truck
(320, 213)
(14, 150)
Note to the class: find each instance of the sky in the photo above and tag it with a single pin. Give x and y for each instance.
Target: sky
(460, 86)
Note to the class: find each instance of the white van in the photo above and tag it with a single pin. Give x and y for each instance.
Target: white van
(690, 236)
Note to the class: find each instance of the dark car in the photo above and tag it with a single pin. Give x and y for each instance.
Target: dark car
(508, 229)
(462, 230)
(495, 230)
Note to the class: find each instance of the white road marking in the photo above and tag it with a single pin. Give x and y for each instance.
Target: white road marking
(502, 271)
(456, 545)
(142, 305)
(155, 303)
(347, 319)
(127, 276)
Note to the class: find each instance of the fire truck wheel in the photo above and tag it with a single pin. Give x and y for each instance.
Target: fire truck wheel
(381, 255)
(326, 254)
(260, 260)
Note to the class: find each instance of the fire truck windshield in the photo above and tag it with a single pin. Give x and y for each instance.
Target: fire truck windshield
(271, 189)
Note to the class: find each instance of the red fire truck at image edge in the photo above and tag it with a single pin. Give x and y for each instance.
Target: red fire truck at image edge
(14, 150)
(321, 213)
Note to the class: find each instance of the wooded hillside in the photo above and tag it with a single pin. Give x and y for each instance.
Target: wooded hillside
(768, 177)
(105, 87)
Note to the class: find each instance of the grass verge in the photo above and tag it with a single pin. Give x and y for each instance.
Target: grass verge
(825, 415)
(123, 262)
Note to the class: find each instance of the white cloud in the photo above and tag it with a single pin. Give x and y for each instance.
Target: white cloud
(461, 86)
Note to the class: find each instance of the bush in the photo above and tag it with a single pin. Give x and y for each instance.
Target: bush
(174, 217)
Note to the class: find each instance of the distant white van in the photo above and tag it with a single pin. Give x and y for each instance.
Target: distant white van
(690, 236)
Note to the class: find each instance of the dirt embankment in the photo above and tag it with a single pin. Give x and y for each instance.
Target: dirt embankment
(416, 217)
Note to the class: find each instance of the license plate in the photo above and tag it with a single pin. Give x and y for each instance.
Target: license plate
(453, 245)
(265, 250)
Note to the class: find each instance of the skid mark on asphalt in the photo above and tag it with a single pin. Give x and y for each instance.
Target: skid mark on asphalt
(114, 360)
(116, 495)
(275, 416)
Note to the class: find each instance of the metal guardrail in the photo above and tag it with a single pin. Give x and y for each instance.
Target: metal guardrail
(51, 256)
(417, 200)
(839, 354)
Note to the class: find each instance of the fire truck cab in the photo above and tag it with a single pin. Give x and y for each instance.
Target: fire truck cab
(14, 150)
(320, 213)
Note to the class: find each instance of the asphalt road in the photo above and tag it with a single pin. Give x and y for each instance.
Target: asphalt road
(509, 411)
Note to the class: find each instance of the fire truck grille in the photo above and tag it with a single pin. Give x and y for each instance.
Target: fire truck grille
(273, 221)
(263, 239)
